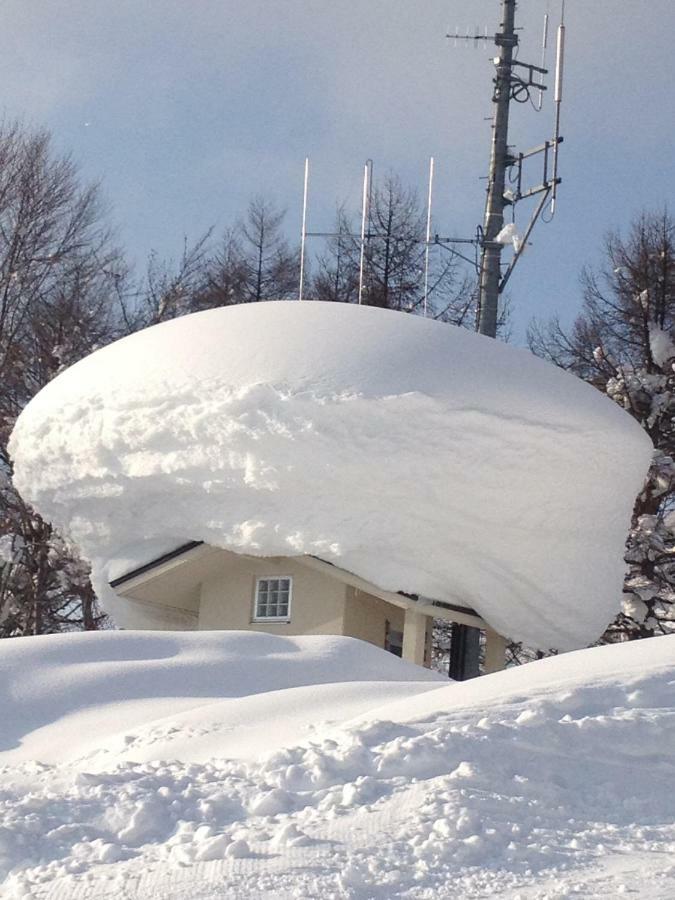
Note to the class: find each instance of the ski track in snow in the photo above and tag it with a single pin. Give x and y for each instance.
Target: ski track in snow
(564, 792)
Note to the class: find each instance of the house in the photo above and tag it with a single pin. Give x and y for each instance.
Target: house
(337, 450)
(197, 586)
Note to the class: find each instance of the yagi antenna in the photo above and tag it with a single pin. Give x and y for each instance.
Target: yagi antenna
(476, 37)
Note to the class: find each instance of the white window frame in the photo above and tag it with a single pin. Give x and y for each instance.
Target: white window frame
(256, 597)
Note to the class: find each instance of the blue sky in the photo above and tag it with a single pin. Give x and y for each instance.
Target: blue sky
(184, 110)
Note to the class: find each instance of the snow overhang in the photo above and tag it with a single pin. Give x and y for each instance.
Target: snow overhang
(418, 456)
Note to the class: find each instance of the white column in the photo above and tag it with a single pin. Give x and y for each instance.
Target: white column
(495, 651)
(414, 636)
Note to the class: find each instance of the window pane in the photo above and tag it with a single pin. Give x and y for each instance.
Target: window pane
(273, 597)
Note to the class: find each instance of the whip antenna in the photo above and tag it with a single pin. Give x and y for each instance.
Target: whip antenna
(428, 235)
(365, 213)
(557, 98)
(303, 235)
(544, 48)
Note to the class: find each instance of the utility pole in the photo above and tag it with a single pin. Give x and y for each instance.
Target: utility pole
(465, 646)
(490, 274)
(514, 81)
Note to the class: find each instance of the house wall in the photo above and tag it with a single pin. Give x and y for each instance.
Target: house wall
(227, 597)
(215, 590)
(180, 597)
(366, 617)
(156, 605)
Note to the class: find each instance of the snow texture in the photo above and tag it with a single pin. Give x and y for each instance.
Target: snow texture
(661, 346)
(509, 235)
(420, 456)
(135, 766)
(7, 553)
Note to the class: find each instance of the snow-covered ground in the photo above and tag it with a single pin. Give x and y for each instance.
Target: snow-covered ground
(420, 456)
(148, 766)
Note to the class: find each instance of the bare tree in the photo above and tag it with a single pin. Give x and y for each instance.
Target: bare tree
(226, 277)
(171, 290)
(60, 290)
(272, 266)
(632, 292)
(57, 261)
(254, 262)
(394, 261)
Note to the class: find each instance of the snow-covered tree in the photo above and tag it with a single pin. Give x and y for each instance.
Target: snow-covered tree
(44, 586)
(649, 603)
(623, 342)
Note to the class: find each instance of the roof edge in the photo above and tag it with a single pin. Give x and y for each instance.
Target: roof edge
(154, 563)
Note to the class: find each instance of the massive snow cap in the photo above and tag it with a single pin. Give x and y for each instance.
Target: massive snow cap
(422, 457)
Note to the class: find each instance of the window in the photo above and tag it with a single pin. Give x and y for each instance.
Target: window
(273, 600)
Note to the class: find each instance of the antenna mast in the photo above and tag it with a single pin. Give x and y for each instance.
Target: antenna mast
(514, 81)
(490, 275)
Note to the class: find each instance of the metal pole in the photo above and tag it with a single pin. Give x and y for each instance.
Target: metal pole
(428, 236)
(364, 219)
(303, 236)
(506, 40)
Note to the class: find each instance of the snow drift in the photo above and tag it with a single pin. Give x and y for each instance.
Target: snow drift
(417, 455)
(551, 780)
(65, 697)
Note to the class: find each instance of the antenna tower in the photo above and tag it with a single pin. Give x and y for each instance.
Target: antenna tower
(514, 81)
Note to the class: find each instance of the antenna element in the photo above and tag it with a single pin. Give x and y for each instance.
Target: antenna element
(303, 235)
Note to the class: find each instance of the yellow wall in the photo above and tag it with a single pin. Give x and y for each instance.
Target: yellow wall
(216, 590)
(178, 597)
(366, 617)
(227, 596)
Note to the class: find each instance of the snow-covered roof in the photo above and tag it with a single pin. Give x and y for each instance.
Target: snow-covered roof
(420, 456)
